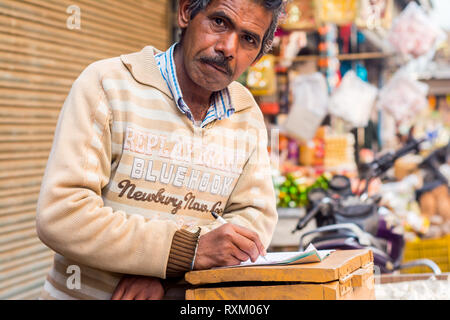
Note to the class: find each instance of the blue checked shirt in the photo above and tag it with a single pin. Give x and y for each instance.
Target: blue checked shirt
(221, 106)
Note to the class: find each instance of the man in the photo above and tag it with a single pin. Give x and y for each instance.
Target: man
(147, 145)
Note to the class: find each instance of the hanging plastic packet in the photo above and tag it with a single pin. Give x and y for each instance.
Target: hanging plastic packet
(403, 97)
(309, 105)
(414, 33)
(353, 100)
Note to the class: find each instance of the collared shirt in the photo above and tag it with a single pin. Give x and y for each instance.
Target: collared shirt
(221, 106)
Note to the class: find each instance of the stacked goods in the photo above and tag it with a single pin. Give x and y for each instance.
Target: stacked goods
(435, 206)
(312, 152)
(339, 151)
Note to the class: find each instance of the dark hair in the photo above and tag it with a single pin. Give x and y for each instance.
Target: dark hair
(275, 6)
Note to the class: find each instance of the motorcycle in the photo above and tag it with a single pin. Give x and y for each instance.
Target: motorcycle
(354, 220)
(433, 176)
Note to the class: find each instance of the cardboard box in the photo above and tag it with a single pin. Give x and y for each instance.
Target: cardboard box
(345, 274)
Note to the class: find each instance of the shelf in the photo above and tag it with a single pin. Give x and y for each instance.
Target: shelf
(342, 57)
(437, 86)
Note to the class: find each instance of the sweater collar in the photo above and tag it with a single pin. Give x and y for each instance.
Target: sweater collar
(144, 69)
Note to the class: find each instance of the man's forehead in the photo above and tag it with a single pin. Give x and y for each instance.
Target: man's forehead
(244, 13)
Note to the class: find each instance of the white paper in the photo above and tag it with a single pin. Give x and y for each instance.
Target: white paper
(282, 258)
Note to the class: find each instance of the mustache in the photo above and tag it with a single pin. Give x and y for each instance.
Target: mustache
(219, 61)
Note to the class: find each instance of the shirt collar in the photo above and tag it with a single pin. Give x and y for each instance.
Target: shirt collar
(221, 105)
(144, 69)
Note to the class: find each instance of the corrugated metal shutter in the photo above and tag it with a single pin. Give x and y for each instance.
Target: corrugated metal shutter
(40, 57)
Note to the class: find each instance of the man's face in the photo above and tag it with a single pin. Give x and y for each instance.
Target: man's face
(223, 40)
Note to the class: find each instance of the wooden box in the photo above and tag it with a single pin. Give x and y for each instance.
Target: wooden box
(345, 274)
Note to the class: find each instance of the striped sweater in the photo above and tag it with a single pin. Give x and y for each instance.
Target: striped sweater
(130, 182)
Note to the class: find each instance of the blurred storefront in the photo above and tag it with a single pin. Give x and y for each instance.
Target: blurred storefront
(346, 83)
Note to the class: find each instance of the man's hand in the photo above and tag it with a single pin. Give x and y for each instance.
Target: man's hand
(138, 288)
(226, 246)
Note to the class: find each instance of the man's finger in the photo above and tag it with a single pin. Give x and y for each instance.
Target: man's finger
(118, 293)
(233, 261)
(238, 253)
(130, 290)
(130, 294)
(120, 289)
(248, 246)
(252, 236)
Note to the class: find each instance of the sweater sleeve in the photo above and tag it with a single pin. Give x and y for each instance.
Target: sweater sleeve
(71, 216)
(252, 203)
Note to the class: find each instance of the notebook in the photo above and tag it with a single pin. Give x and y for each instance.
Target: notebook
(310, 255)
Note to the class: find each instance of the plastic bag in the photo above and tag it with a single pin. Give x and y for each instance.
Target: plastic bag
(374, 14)
(414, 34)
(403, 97)
(353, 100)
(309, 105)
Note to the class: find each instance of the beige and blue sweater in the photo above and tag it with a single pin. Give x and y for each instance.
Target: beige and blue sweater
(130, 181)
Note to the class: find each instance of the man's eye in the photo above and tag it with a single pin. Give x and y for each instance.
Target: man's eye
(249, 39)
(219, 21)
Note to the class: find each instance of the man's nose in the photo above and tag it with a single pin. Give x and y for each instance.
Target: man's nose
(228, 45)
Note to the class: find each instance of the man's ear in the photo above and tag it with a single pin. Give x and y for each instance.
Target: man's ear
(183, 14)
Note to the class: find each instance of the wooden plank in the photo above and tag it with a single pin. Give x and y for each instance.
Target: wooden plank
(359, 285)
(339, 264)
(267, 292)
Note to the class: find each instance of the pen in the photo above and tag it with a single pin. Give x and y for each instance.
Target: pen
(223, 221)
